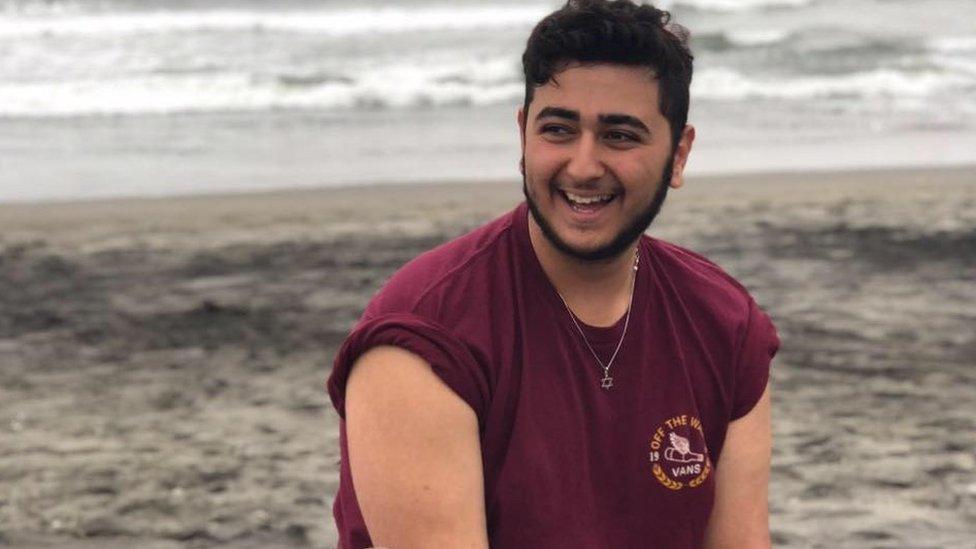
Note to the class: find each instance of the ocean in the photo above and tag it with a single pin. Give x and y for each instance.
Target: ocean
(104, 98)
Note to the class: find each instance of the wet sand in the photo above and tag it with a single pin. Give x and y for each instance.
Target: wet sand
(162, 361)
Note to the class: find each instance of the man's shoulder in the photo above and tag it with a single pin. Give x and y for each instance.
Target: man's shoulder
(445, 268)
(701, 282)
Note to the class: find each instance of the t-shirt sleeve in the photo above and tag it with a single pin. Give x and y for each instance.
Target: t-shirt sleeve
(449, 358)
(759, 345)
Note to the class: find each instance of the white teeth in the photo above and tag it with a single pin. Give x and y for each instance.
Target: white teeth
(591, 200)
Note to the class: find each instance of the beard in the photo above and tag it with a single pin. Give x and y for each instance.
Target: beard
(619, 244)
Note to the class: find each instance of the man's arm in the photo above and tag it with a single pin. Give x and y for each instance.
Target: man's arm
(414, 454)
(740, 518)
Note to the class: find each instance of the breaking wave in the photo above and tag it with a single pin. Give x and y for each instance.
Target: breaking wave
(492, 82)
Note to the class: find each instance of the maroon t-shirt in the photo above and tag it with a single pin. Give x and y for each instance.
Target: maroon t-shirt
(566, 462)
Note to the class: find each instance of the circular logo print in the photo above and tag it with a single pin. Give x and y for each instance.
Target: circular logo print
(678, 455)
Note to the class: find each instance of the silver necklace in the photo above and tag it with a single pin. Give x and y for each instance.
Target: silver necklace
(607, 381)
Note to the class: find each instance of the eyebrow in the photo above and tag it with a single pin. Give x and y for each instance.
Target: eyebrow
(623, 120)
(608, 119)
(558, 112)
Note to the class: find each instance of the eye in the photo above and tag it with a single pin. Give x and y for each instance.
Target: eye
(618, 136)
(555, 129)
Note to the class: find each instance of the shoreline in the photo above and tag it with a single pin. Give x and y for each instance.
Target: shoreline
(314, 191)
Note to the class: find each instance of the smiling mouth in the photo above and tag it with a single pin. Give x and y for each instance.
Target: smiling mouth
(585, 204)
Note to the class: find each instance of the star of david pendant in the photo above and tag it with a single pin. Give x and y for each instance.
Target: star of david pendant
(606, 382)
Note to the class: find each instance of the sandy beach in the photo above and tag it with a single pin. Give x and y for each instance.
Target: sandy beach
(162, 361)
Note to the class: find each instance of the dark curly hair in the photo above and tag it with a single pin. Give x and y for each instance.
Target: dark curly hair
(618, 32)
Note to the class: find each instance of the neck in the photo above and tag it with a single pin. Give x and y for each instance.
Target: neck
(598, 292)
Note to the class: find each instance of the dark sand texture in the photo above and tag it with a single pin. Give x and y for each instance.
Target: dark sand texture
(162, 361)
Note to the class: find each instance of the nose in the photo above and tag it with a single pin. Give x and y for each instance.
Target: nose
(585, 164)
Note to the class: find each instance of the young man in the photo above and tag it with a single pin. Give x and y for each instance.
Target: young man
(555, 378)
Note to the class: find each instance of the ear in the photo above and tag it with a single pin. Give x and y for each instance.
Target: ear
(681, 156)
(520, 119)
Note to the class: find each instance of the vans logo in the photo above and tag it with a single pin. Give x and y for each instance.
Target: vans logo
(678, 455)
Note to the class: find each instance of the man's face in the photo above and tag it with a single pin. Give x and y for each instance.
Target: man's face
(598, 158)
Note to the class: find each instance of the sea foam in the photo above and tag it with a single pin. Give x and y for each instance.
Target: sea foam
(328, 22)
(733, 5)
